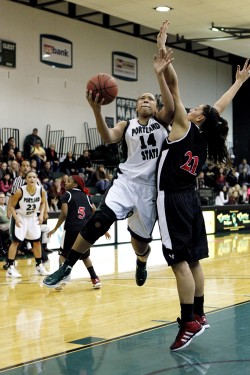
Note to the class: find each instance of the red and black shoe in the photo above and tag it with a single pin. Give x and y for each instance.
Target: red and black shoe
(202, 320)
(96, 283)
(187, 331)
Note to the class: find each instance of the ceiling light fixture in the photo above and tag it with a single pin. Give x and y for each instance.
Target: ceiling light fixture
(163, 8)
(234, 32)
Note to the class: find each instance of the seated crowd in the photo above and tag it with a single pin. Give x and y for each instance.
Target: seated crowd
(230, 186)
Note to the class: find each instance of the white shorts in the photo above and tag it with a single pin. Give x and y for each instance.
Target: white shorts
(30, 228)
(45, 230)
(126, 197)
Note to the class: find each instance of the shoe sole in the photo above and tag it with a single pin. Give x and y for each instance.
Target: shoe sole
(58, 286)
(202, 330)
(61, 285)
(13, 277)
(97, 286)
(51, 286)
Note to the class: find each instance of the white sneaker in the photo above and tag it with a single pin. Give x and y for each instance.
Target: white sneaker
(63, 283)
(12, 272)
(41, 270)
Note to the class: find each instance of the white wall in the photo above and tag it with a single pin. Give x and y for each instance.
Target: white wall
(34, 94)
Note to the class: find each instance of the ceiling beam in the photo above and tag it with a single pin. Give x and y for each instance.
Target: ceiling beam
(86, 15)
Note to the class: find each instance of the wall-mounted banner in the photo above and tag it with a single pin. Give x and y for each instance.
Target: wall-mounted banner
(232, 219)
(7, 54)
(125, 109)
(124, 66)
(55, 51)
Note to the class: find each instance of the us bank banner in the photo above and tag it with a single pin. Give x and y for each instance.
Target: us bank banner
(55, 51)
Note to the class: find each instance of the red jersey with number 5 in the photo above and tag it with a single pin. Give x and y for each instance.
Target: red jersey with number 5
(181, 161)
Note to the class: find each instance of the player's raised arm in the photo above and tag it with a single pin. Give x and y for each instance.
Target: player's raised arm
(241, 76)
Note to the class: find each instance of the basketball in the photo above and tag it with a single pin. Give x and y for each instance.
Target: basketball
(104, 85)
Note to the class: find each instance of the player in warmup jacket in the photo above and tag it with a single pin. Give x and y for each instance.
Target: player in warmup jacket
(25, 224)
(195, 136)
(76, 210)
(133, 193)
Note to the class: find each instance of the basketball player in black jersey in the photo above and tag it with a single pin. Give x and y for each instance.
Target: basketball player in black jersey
(195, 136)
(76, 210)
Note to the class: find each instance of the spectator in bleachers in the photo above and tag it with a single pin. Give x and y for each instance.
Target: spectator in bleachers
(244, 177)
(14, 169)
(222, 196)
(64, 181)
(10, 145)
(53, 203)
(46, 175)
(19, 157)
(100, 170)
(68, 165)
(233, 197)
(10, 156)
(237, 187)
(244, 164)
(244, 195)
(220, 179)
(201, 181)
(5, 184)
(232, 176)
(3, 169)
(85, 165)
(103, 183)
(110, 176)
(210, 174)
(52, 156)
(38, 153)
(56, 190)
(29, 142)
(33, 165)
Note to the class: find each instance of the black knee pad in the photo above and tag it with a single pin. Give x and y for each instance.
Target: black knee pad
(85, 255)
(98, 224)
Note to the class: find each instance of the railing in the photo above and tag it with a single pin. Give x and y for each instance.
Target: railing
(7, 133)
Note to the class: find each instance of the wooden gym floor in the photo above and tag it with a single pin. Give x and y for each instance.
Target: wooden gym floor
(123, 329)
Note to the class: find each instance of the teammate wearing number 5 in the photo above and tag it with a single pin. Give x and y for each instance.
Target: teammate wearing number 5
(76, 210)
(25, 224)
(133, 193)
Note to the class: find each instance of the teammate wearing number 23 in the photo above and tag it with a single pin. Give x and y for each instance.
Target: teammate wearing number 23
(25, 222)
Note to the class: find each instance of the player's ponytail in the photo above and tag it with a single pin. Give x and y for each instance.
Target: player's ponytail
(80, 183)
(215, 128)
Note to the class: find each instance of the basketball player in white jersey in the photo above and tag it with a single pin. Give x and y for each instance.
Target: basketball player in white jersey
(133, 193)
(24, 205)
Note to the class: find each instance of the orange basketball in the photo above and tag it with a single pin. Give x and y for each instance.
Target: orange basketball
(105, 85)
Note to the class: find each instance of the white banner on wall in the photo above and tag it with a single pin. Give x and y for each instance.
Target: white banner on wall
(55, 51)
(124, 66)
